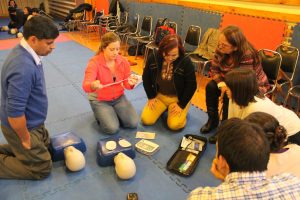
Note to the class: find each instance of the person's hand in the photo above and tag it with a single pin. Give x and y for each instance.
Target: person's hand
(217, 172)
(26, 142)
(175, 109)
(96, 85)
(151, 103)
(132, 79)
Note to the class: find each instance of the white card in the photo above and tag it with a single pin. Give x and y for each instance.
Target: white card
(145, 135)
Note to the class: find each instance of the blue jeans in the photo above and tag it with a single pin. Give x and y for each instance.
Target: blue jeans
(110, 114)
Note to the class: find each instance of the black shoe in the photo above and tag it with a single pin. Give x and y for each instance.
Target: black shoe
(212, 139)
(209, 126)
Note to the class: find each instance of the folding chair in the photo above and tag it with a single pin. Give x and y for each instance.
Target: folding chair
(271, 62)
(192, 38)
(288, 66)
(152, 45)
(126, 31)
(144, 32)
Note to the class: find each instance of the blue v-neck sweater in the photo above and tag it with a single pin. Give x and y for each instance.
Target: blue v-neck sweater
(23, 90)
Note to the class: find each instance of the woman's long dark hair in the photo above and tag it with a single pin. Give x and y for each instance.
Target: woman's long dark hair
(243, 85)
(236, 38)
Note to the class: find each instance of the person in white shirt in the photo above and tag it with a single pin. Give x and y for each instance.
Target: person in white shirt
(242, 89)
(284, 157)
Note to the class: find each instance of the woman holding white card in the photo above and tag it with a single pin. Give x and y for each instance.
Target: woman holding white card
(170, 82)
(106, 76)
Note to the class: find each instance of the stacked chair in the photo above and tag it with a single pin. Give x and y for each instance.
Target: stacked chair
(144, 31)
(126, 30)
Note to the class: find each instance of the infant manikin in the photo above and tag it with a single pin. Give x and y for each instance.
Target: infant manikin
(124, 166)
(74, 159)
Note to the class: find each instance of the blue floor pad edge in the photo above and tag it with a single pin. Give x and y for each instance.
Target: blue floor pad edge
(69, 110)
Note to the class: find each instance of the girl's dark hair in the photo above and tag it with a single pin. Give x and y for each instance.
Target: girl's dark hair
(29, 10)
(275, 133)
(236, 38)
(243, 85)
(36, 10)
(14, 2)
(170, 42)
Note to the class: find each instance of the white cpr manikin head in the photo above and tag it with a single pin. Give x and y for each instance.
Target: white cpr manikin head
(124, 165)
(74, 159)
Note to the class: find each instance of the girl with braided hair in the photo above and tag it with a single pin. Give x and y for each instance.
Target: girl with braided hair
(284, 157)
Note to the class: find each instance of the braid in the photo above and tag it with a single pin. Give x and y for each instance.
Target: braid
(279, 138)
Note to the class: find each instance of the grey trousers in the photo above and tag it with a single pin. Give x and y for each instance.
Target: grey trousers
(16, 162)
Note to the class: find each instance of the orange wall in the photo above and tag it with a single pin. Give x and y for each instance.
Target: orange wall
(99, 5)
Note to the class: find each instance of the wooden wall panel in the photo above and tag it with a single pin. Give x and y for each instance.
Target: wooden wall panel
(61, 8)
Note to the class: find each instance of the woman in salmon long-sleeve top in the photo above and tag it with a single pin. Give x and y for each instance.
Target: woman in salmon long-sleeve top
(106, 76)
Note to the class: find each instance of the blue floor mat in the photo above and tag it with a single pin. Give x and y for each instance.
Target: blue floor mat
(69, 110)
(4, 34)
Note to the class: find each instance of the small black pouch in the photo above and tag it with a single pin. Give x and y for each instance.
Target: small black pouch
(187, 156)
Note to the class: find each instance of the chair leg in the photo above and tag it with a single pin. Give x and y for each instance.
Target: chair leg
(287, 101)
(137, 49)
(199, 69)
(126, 45)
(145, 56)
(298, 106)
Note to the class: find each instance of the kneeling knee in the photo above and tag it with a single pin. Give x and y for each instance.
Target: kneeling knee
(175, 126)
(147, 121)
(111, 130)
(43, 172)
(131, 123)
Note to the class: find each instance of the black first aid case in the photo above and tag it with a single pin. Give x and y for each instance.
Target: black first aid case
(187, 156)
